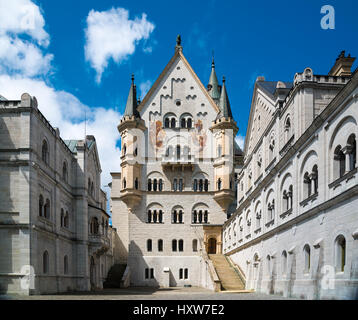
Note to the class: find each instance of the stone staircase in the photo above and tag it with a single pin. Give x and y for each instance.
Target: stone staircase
(229, 277)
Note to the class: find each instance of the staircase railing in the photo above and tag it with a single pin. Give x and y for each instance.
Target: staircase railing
(237, 269)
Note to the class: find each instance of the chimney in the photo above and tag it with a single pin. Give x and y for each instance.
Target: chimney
(343, 65)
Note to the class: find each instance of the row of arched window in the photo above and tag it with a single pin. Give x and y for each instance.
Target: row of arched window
(200, 185)
(44, 207)
(171, 122)
(179, 153)
(177, 245)
(94, 226)
(198, 216)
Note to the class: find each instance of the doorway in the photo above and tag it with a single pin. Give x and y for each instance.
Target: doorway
(212, 246)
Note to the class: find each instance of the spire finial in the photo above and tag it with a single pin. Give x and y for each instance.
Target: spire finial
(224, 79)
(178, 40)
(132, 77)
(213, 61)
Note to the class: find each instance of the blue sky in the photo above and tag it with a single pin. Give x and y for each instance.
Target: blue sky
(275, 39)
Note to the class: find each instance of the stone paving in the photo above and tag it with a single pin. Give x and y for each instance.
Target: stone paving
(147, 293)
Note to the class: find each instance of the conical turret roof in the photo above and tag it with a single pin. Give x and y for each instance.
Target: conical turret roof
(224, 103)
(213, 83)
(131, 106)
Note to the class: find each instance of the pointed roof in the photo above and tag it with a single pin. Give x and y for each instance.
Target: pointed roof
(224, 103)
(213, 83)
(2, 98)
(131, 106)
(178, 54)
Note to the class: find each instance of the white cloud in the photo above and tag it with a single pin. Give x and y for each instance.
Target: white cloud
(112, 35)
(144, 87)
(240, 140)
(19, 18)
(23, 61)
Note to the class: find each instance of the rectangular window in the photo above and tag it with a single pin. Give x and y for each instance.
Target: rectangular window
(151, 273)
(186, 274)
(180, 274)
(146, 273)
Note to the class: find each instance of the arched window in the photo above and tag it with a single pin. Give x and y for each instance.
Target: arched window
(65, 265)
(45, 153)
(307, 258)
(175, 185)
(201, 186)
(135, 151)
(181, 245)
(178, 152)
(45, 263)
(166, 123)
(124, 183)
(206, 185)
(314, 177)
(169, 152)
(66, 220)
(64, 171)
(174, 245)
(94, 226)
(155, 185)
(136, 184)
(172, 123)
(183, 123)
(195, 217)
(287, 129)
(62, 217)
(160, 217)
(149, 216)
(219, 151)
(206, 216)
(284, 262)
(155, 216)
(149, 245)
(160, 185)
(47, 209)
(271, 150)
(180, 216)
(339, 163)
(340, 253)
(189, 123)
(149, 184)
(307, 185)
(258, 219)
(195, 245)
(219, 184)
(41, 204)
(180, 185)
(195, 185)
(352, 149)
(160, 245)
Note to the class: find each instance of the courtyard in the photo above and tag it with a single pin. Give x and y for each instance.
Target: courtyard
(149, 293)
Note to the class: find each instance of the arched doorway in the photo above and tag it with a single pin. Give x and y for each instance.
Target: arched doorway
(212, 246)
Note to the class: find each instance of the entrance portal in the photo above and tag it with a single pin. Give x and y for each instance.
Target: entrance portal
(212, 246)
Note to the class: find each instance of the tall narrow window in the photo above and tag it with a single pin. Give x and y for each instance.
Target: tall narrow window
(160, 245)
(183, 122)
(149, 216)
(64, 171)
(307, 185)
(340, 253)
(180, 185)
(284, 262)
(180, 274)
(340, 163)
(65, 265)
(172, 123)
(206, 185)
(136, 184)
(315, 179)
(195, 245)
(201, 185)
(181, 245)
(45, 262)
(186, 274)
(352, 145)
(47, 209)
(195, 217)
(45, 152)
(195, 185)
(124, 183)
(180, 216)
(62, 217)
(219, 184)
(189, 123)
(166, 123)
(155, 185)
(307, 256)
(178, 152)
(160, 185)
(206, 216)
(149, 184)
(174, 245)
(160, 216)
(175, 185)
(149, 245)
(41, 204)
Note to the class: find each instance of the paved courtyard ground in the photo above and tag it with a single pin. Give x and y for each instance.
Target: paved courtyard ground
(153, 294)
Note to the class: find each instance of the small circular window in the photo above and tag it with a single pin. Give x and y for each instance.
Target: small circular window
(178, 103)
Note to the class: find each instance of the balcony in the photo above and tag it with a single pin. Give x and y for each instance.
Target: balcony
(131, 197)
(224, 198)
(174, 162)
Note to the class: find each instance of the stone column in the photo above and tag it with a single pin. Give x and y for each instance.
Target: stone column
(347, 150)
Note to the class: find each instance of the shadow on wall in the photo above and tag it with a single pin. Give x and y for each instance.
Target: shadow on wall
(119, 250)
(139, 266)
(7, 209)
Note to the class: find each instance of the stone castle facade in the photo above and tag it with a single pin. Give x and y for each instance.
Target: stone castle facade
(177, 184)
(295, 229)
(54, 229)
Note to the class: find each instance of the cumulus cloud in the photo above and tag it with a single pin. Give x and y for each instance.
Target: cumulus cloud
(240, 140)
(112, 35)
(23, 68)
(22, 38)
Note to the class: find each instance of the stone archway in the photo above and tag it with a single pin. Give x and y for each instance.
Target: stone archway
(212, 243)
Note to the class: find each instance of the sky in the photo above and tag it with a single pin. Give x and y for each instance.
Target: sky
(78, 56)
